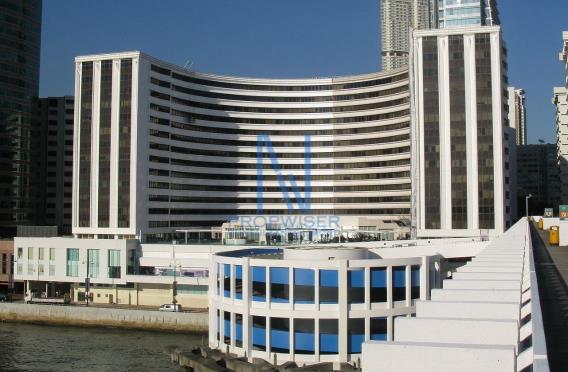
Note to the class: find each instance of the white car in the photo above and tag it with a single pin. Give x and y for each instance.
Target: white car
(170, 307)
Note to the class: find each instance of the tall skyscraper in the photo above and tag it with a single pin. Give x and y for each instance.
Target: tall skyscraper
(467, 13)
(560, 99)
(460, 172)
(20, 30)
(57, 121)
(517, 114)
(397, 18)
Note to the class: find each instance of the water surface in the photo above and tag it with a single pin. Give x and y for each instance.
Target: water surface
(25, 347)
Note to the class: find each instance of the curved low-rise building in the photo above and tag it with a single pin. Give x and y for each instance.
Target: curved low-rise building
(160, 148)
(311, 305)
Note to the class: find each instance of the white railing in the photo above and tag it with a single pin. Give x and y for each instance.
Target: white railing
(486, 318)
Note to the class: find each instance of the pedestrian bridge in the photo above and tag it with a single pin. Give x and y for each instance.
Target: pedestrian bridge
(487, 317)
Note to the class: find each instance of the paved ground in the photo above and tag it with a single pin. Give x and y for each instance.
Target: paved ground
(552, 273)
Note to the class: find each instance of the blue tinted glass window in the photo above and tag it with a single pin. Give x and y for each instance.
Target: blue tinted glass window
(356, 285)
(328, 286)
(279, 284)
(399, 283)
(258, 283)
(304, 290)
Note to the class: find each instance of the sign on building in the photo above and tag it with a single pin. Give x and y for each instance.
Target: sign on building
(563, 212)
(548, 212)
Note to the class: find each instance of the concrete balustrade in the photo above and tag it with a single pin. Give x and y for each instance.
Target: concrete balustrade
(486, 318)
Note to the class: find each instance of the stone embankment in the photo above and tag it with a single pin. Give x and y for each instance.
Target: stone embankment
(104, 317)
(204, 359)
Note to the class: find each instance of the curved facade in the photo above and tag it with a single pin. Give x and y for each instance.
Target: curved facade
(311, 305)
(204, 147)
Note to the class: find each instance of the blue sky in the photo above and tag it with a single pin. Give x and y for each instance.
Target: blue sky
(276, 38)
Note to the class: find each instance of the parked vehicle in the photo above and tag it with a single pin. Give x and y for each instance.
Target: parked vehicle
(170, 307)
(41, 298)
(5, 297)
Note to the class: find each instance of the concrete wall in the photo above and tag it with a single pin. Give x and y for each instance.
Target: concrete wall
(103, 317)
(143, 295)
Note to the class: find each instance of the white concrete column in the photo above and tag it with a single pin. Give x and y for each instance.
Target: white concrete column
(247, 294)
(408, 284)
(425, 278)
(76, 144)
(367, 283)
(343, 310)
(389, 288)
(497, 104)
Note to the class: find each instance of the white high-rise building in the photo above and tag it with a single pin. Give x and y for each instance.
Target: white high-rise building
(159, 149)
(561, 101)
(398, 17)
(460, 169)
(518, 114)
(467, 13)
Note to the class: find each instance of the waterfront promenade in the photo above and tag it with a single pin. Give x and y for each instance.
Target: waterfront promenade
(196, 322)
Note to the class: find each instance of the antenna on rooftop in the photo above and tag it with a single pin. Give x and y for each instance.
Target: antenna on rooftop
(188, 65)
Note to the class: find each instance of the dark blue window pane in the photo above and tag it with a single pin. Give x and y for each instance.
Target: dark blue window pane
(304, 290)
(239, 282)
(259, 332)
(328, 278)
(258, 283)
(227, 280)
(304, 277)
(329, 341)
(378, 329)
(280, 335)
(304, 339)
(356, 286)
(415, 281)
(279, 275)
(399, 283)
(279, 288)
(378, 285)
(356, 335)
(328, 290)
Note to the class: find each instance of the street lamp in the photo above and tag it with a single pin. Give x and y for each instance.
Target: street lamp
(527, 204)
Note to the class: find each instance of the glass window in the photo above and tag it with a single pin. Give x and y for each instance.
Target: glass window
(30, 269)
(40, 269)
(93, 263)
(356, 286)
(30, 253)
(227, 280)
(114, 263)
(378, 329)
(304, 340)
(279, 284)
(399, 283)
(52, 254)
(259, 283)
(304, 290)
(415, 282)
(329, 340)
(239, 282)
(51, 270)
(356, 335)
(280, 335)
(259, 333)
(4, 263)
(20, 252)
(238, 330)
(328, 286)
(379, 285)
(73, 262)
(227, 327)
(40, 255)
